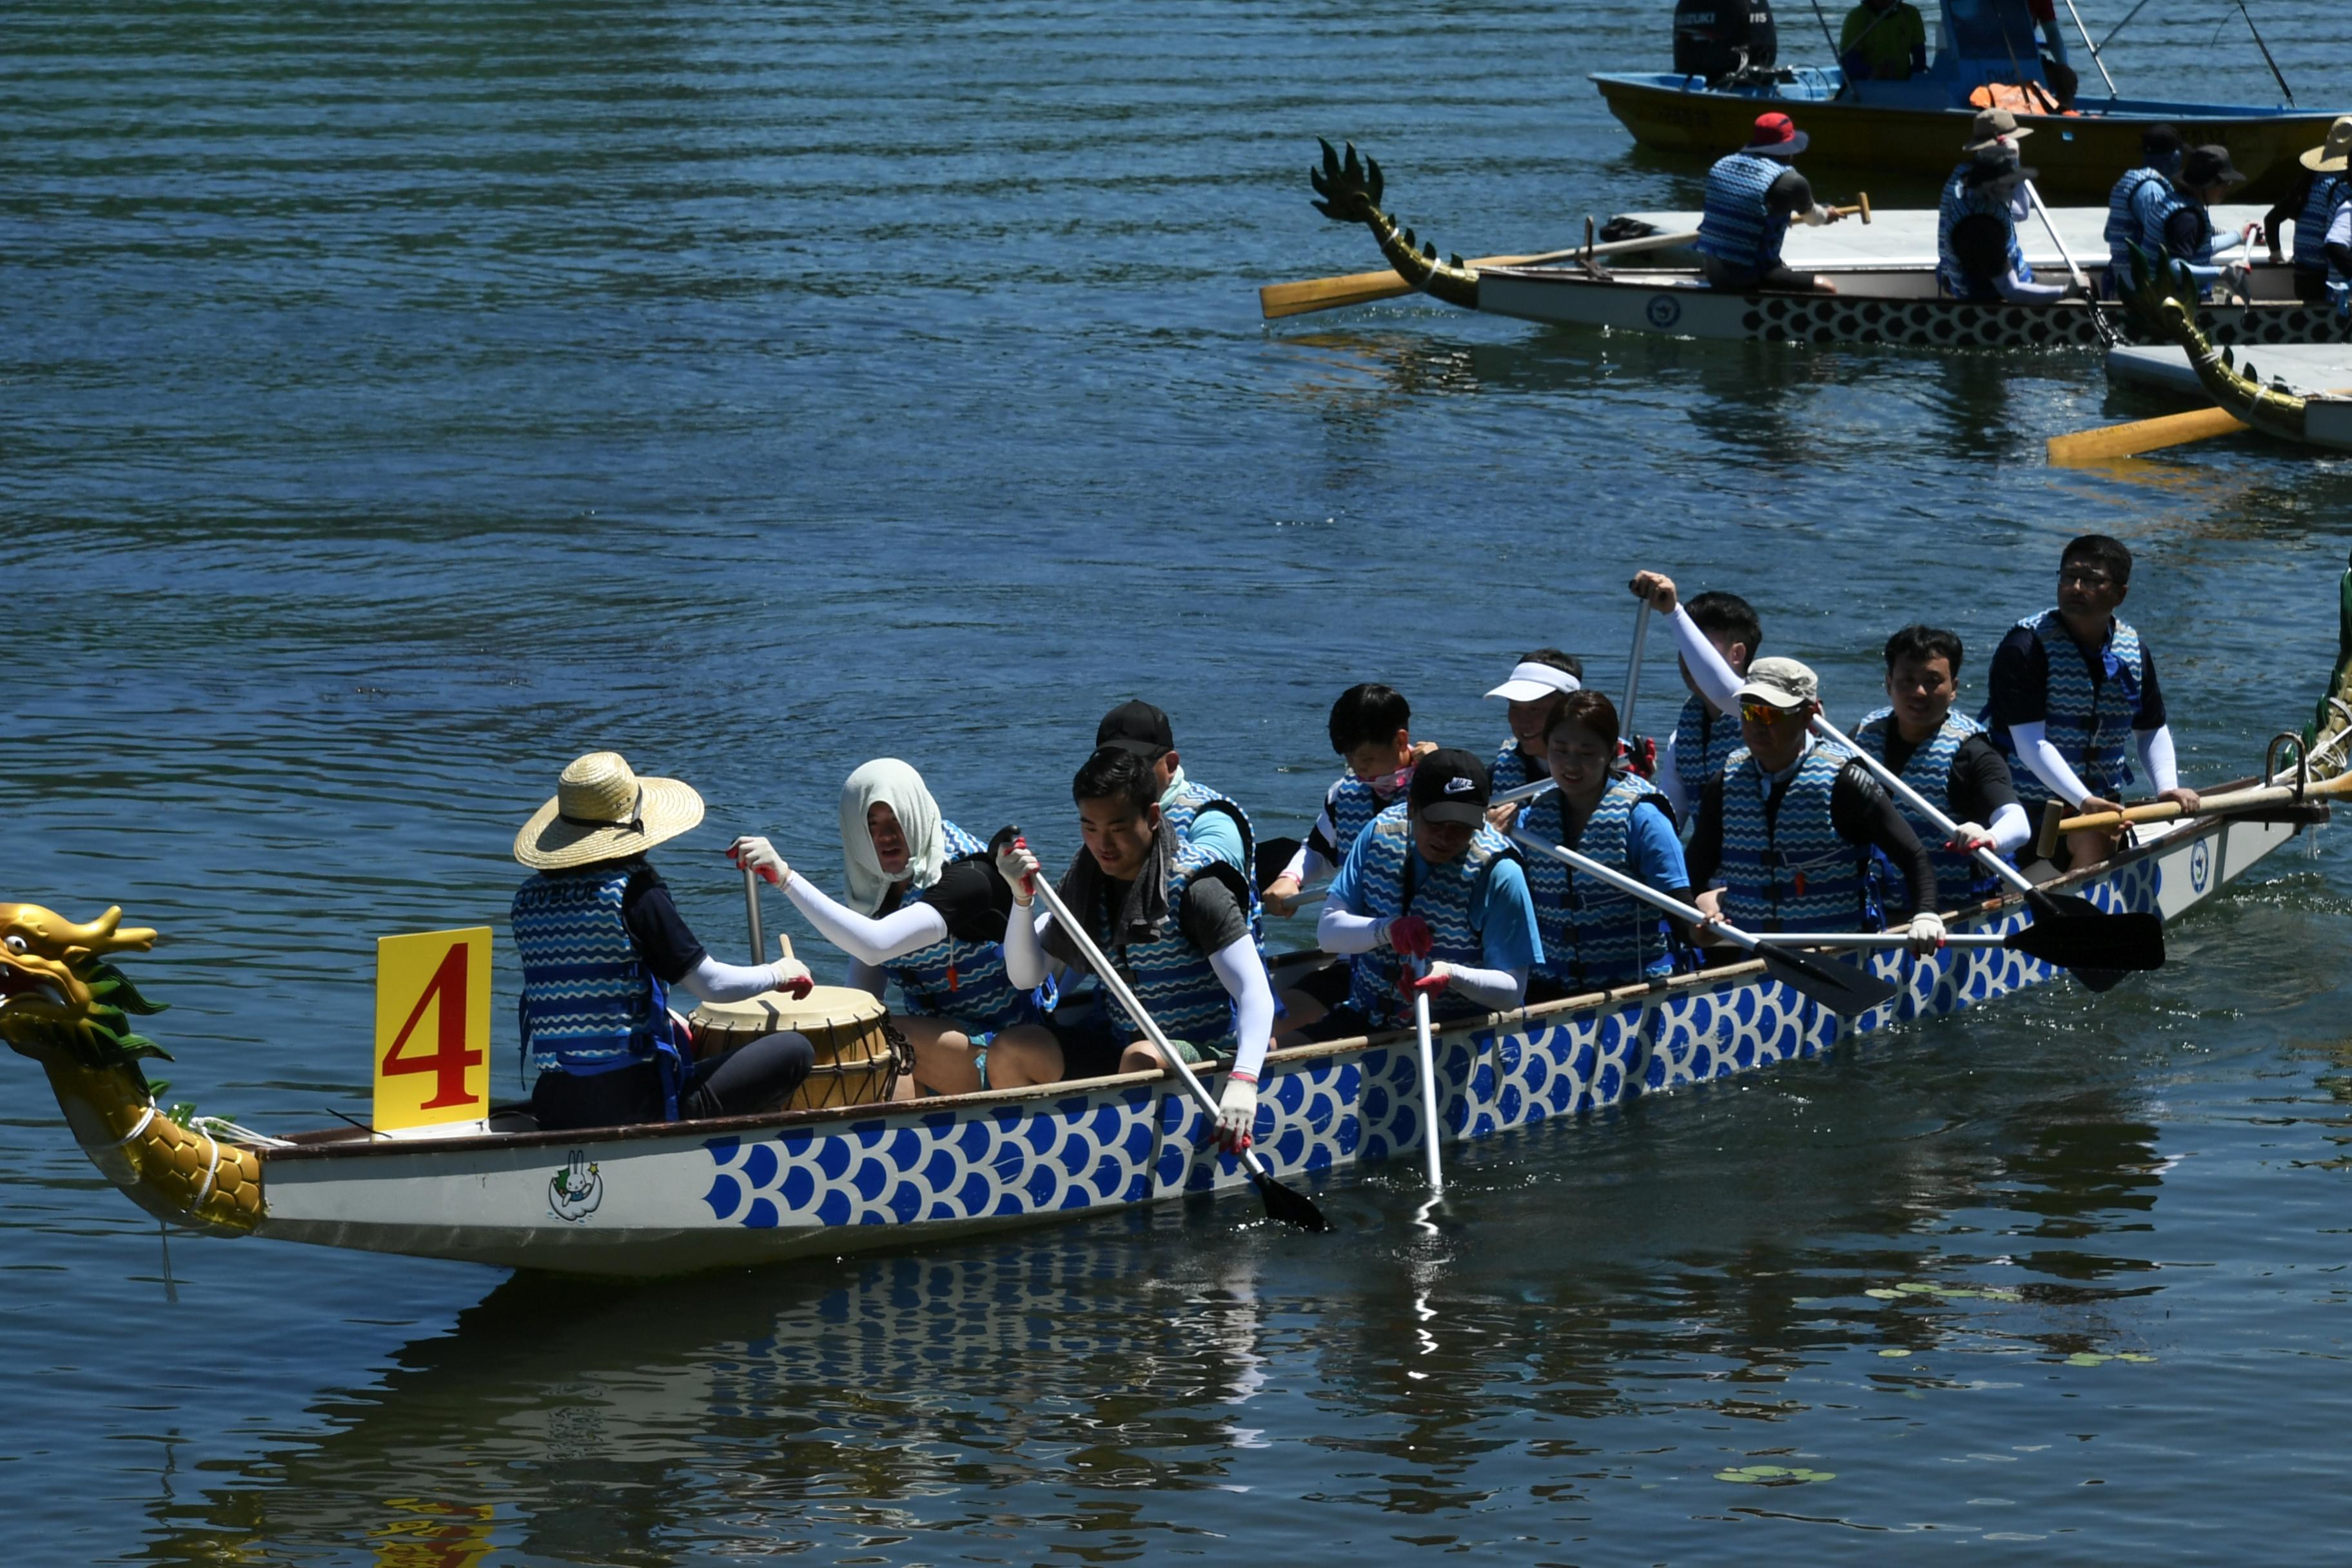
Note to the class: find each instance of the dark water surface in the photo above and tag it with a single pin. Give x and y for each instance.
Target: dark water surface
(395, 401)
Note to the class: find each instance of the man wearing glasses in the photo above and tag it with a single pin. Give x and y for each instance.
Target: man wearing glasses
(1785, 833)
(2074, 692)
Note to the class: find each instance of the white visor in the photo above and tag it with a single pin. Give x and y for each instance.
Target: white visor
(1534, 682)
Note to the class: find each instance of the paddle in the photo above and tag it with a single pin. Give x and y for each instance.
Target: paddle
(2042, 941)
(2128, 440)
(1276, 300)
(1281, 1202)
(1634, 673)
(2099, 323)
(2088, 940)
(1839, 987)
(1430, 1159)
(2211, 806)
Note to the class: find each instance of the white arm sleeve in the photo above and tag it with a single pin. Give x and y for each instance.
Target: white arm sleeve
(1025, 954)
(1244, 974)
(2156, 756)
(1670, 779)
(711, 981)
(1307, 867)
(1496, 990)
(1716, 683)
(864, 938)
(2034, 745)
(2015, 290)
(1343, 930)
(2010, 828)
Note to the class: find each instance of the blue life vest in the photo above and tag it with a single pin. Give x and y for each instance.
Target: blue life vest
(1514, 769)
(1791, 871)
(1960, 880)
(2160, 213)
(1704, 741)
(2087, 718)
(1443, 896)
(1181, 809)
(590, 1005)
(2327, 192)
(966, 980)
(1593, 935)
(2124, 224)
(1962, 200)
(1170, 977)
(1353, 803)
(1736, 228)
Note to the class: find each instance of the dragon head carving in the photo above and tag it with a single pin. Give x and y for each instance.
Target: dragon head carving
(1350, 191)
(59, 997)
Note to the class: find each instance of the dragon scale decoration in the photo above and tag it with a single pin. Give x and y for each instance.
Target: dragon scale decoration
(2163, 297)
(1350, 189)
(63, 1005)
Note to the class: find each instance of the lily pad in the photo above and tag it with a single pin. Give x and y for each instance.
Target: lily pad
(2128, 1355)
(2087, 1358)
(1884, 1295)
(1918, 1288)
(1773, 1475)
(1895, 1353)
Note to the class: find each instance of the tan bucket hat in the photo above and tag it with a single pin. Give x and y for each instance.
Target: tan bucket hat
(1990, 126)
(602, 810)
(2331, 155)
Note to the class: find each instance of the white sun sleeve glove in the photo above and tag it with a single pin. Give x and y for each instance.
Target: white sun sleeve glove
(1018, 867)
(755, 854)
(1236, 1112)
(1926, 933)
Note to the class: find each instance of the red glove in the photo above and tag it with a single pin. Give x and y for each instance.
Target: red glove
(801, 988)
(1432, 985)
(1411, 937)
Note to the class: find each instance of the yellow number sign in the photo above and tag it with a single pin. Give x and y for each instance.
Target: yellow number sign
(432, 1028)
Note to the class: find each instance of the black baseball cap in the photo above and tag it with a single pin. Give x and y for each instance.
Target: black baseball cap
(1451, 785)
(1137, 727)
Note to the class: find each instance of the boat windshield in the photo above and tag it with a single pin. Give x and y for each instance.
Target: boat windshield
(1992, 30)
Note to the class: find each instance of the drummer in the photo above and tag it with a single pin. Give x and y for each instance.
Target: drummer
(926, 908)
(1751, 196)
(602, 946)
(1171, 915)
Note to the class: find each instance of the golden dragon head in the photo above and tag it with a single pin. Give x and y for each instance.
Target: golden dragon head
(60, 998)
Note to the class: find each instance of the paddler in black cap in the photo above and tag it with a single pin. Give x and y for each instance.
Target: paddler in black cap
(1751, 196)
(1199, 814)
(2180, 225)
(1429, 884)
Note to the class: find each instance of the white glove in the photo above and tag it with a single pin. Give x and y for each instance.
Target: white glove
(1236, 1112)
(1814, 215)
(1927, 933)
(793, 976)
(1019, 868)
(758, 856)
(1968, 837)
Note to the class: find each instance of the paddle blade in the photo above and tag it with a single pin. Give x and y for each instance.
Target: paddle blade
(1289, 1207)
(2141, 436)
(1839, 987)
(2118, 943)
(1276, 300)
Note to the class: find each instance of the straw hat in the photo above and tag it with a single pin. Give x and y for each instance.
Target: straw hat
(602, 810)
(2331, 155)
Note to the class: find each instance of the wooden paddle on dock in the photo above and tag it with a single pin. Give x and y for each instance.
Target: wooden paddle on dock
(2129, 440)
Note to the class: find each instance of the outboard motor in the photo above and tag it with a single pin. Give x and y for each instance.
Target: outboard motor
(1717, 38)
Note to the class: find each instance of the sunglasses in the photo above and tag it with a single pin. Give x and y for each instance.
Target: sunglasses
(1765, 714)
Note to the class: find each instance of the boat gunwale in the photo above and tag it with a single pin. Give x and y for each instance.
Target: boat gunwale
(344, 1144)
(2129, 110)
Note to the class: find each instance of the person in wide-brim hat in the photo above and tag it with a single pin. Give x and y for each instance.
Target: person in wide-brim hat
(1994, 128)
(2332, 156)
(2309, 211)
(602, 810)
(602, 946)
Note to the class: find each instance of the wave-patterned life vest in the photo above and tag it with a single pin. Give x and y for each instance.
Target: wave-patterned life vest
(1444, 896)
(1593, 935)
(2159, 216)
(2124, 224)
(1172, 978)
(1961, 200)
(1704, 742)
(1736, 228)
(1182, 809)
(1352, 805)
(2327, 192)
(1959, 880)
(2087, 716)
(953, 978)
(1791, 871)
(1514, 769)
(590, 1003)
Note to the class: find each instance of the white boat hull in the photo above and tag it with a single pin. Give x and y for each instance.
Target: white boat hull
(668, 1199)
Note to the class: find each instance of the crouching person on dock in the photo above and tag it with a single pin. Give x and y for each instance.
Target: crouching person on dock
(1751, 194)
(925, 908)
(1430, 880)
(1171, 915)
(602, 948)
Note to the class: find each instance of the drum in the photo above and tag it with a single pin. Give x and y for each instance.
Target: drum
(858, 1054)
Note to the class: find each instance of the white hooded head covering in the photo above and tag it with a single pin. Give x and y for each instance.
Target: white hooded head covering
(899, 787)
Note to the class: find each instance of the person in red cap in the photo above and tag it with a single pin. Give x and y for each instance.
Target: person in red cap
(1751, 196)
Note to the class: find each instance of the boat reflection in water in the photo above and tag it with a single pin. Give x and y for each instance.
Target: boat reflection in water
(1096, 1386)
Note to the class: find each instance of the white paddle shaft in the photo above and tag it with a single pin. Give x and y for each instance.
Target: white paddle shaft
(1643, 891)
(1919, 803)
(1633, 672)
(751, 915)
(1429, 1158)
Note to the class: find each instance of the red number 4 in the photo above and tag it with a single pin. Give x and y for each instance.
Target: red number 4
(450, 1057)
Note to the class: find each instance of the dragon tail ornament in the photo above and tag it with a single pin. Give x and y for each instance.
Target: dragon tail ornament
(69, 1009)
(1350, 192)
(2162, 297)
